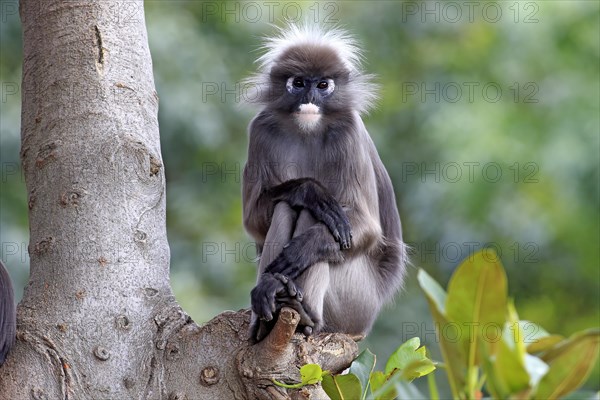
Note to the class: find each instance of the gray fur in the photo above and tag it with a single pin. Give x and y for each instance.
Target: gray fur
(343, 288)
(7, 314)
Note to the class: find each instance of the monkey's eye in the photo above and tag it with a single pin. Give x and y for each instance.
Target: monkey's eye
(323, 85)
(298, 83)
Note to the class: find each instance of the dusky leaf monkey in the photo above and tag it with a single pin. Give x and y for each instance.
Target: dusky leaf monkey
(316, 196)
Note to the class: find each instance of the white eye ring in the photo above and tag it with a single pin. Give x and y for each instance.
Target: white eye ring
(289, 85)
(330, 85)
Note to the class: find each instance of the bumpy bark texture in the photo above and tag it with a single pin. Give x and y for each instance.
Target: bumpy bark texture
(98, 319)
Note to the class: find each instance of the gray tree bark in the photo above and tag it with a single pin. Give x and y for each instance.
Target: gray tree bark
(98, 319)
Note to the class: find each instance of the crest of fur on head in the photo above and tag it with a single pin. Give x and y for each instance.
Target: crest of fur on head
(359, 92)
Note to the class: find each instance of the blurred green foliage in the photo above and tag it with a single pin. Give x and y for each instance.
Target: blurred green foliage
(488, 122)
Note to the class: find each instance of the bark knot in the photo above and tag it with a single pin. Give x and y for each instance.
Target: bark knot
(101, 353)
(209, 376)
(46, 154)
(122, 322)
(43, 246)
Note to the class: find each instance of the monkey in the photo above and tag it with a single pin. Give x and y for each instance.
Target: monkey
(316, 196)
(7, 314)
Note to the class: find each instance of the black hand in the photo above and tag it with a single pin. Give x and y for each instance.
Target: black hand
(265, 305)
(328, 211)
(309, 194)
(269, 287)
(307, 317)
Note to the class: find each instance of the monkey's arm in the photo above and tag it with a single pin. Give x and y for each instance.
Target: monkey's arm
(265, 184)
(313, 246)
(7, 314)
(309, 194)
(303, 193)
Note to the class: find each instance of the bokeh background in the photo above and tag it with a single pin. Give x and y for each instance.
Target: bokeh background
(488, 123)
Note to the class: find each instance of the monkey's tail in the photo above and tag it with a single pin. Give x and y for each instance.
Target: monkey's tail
(8, 317)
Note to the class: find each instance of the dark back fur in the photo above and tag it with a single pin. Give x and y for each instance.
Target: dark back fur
(7, 314)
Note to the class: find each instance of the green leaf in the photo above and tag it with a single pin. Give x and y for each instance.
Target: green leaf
(571, 362)
(492, 383)
(516, 336)
(408, 391)
(543, 344)
(476, 300)
(433, 291)
(342, 387)
(510, 370)
(411, 360)
(536, 338)
(362, 367)
(381, 389)
(433, 389)
(417, 368)
(407, 352)
(386, 387)
(532, 332)
(454, 357)
(583, 395)
(311, 374)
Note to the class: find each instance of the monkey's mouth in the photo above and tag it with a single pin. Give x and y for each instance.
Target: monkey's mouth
(308, 116)
(308, 109)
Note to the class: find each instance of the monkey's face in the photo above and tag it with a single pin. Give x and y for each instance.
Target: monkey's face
(309, 84)
(309, 94)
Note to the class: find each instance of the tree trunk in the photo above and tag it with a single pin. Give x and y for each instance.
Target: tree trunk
(98, 319)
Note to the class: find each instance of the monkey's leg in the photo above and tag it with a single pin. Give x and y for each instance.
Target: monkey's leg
(276, 290)
(306, 257)
(279, 234)
(314, 281)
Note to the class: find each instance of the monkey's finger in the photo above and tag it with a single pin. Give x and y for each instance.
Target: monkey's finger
(266, 307)
(289, 285)
(335, 219)
(254, 326)
(282, 283)
(272, 304)
(263, 297)
(291, 288)
(305, 318)
(346, 242)
(337, 222)
(282, 278)
(325, 214)
(343, 226)
(349, 240)
(264, 313)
